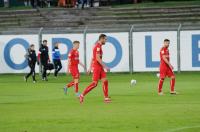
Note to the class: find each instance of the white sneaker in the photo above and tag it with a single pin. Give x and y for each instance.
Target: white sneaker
(161, 94)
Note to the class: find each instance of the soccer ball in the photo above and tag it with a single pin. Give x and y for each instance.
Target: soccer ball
(158, 75)
(133, 82)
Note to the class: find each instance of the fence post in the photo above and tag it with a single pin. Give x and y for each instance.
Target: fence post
(85, 47)
(131, 50)
(40, 42)
(178, 48)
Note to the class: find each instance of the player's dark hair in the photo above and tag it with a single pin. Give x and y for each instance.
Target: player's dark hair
(102, 36)
(56, 43)
(44, 41)
(166, 40)
(76, 42)
(32, 45)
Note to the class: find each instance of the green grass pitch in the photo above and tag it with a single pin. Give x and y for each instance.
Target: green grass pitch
(43, 107)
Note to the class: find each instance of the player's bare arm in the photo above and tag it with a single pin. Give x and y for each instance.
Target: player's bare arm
(68, 65)
(167, 62)
(101, 62)
(90, 68)
(80, 63)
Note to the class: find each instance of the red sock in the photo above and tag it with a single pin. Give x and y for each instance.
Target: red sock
(105, 88)
(89, 88)
(70, 84)
(76, 87)
(172, 84)
(160, 85)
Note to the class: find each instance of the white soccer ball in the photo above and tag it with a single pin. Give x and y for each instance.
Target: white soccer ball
(158, 75)
(133, 82)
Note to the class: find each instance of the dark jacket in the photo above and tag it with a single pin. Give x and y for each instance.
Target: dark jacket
(31, 56)
(56, 53)
(44, 54)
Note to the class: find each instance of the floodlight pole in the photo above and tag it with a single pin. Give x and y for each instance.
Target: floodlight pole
(131, 49)
(178, 48)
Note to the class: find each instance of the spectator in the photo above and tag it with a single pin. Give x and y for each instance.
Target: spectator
(31, 57)
(33, 3)
(62, 3)
(56, 59)
(91, 3)
(84, 2)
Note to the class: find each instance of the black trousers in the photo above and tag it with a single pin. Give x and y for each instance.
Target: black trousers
(44, 69)
(91, 3)
(32, 71)
(84, 2)
(33, 4)
(57, 65)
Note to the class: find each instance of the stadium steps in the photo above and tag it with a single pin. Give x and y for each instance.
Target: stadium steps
(96, 18)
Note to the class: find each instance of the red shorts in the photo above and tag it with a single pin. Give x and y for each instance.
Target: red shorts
(166, 72)
(98, 73)
(74, 72)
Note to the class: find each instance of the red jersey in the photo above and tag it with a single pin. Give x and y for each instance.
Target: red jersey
(74, 58)
(97, 50)
(164, 51)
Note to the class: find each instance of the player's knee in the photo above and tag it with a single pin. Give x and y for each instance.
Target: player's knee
(162, 79)
(173, 77)
(95, 83)
(105, 81)
(76, 80)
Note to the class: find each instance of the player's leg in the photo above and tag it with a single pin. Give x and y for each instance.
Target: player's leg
(160, 85)
(172, 81)
(75, 75)
(104, 81)
(70, 84)
(172, 85)
(90, 87)
(161, 80)
(76, 88)
(87, 90)
(96, 77)
(76, 81)
(105, 90)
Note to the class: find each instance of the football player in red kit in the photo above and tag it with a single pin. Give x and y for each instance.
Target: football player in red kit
(97, 66)
(73, 62)
(166, 69)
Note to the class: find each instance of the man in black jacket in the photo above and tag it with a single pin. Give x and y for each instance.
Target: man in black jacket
(44, 59)
(31, 57)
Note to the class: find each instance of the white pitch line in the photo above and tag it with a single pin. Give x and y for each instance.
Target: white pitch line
(183, 128)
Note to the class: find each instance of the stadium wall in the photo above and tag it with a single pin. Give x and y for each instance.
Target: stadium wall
(144, 48)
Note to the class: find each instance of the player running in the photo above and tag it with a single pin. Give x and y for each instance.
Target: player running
(166, 69)
(73, 62)
(98, 67)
